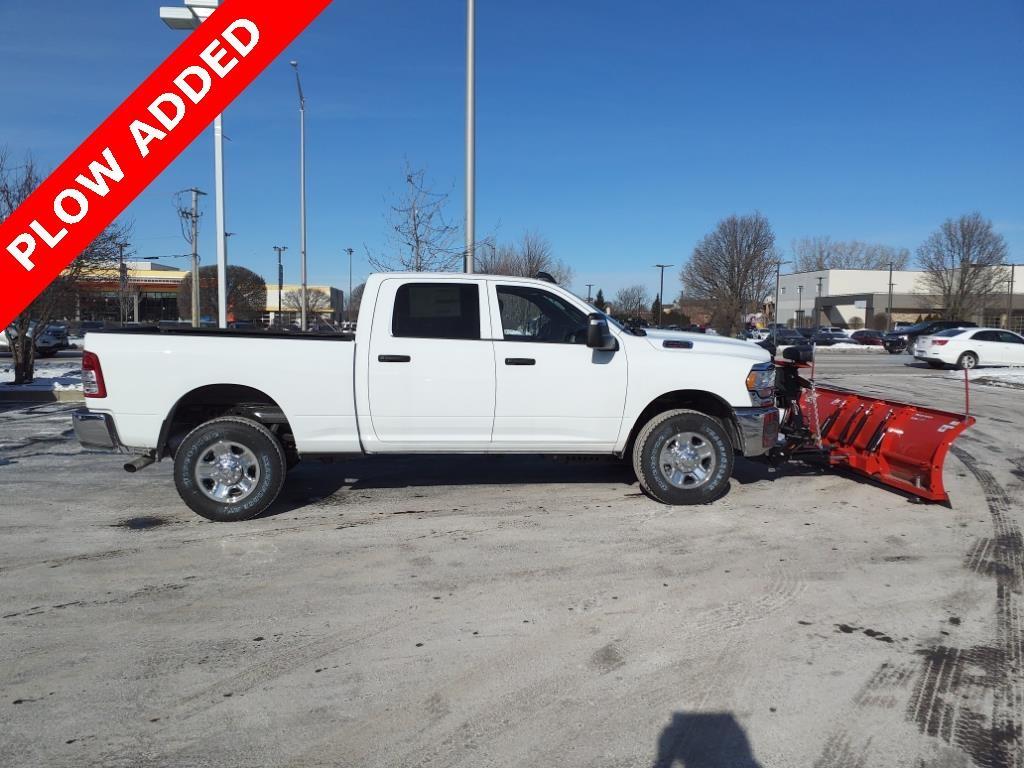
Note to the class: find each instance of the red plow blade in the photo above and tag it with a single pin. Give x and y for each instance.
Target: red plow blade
(898, 444)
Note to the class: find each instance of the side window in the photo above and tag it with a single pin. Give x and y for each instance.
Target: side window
(1010, 338)
(986, 336)
(533, 314)
(437, 311)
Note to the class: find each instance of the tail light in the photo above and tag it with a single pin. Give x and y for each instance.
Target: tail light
(939, 342)
(92, 376)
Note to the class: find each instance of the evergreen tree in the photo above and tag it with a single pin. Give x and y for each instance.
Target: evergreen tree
(599, 301)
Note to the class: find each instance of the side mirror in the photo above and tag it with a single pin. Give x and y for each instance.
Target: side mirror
(598, 334)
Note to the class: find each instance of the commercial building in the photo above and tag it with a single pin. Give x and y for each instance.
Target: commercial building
(859, 298)
(149, 293)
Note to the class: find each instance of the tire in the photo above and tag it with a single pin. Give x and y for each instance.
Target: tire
(967, 360)
(248, 475)
(681, 483)
(935, 364)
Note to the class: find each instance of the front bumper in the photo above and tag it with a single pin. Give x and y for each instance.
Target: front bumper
(758, 429)
(96, 430)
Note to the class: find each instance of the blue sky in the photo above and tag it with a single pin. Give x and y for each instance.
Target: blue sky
(623, 131)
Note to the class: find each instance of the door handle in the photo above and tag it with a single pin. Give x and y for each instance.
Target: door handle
(393, 358)
(520, 361)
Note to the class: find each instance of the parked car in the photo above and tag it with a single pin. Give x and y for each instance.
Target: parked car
(828, 338)
(47, 344)
(903, 339)
(807, 333)
(439, 364)
(834, 329)
(970, 347)
(788, 337)
(868, 337)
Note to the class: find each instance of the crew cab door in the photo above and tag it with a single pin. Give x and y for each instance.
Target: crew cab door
(553, 392)
(431, 365)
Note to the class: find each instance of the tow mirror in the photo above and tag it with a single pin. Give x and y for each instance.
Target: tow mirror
(599, 336)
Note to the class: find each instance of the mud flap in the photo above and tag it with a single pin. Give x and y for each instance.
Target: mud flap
(898, 444)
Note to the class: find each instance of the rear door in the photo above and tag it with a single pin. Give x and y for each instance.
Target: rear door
(431, 365)
(553, 391)
(986, 345)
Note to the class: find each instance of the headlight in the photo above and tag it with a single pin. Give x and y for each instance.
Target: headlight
(761, 382)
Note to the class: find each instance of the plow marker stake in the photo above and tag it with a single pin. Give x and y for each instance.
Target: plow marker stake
(898, 444)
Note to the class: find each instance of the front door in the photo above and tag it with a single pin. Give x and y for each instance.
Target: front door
(431, 365)
(552, 390)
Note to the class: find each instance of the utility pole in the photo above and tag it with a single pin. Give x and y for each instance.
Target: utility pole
(302, 186)
(348, 298)
(888, 309)
(1009, 301)
(775, 312)
(800, 304)
(122, 280)
(470, 132)
(589, 286)
(193, 217)
(817, 302)
(661, 292)
(280, 280)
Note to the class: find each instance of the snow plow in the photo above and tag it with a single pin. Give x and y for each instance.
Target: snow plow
(897, 444)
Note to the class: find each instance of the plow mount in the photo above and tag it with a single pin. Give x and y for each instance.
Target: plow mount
(897, 444)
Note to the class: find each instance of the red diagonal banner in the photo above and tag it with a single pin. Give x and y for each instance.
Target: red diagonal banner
(142, 136)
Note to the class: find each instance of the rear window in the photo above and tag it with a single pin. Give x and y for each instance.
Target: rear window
(950, 332)
(437, 311)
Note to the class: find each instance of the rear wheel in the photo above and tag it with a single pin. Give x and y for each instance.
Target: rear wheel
(967, 361)
(683, 457)
(229, 469)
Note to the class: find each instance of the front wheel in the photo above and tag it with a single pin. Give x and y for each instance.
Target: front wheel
(229, 469)
(683, 457)
(967, 361)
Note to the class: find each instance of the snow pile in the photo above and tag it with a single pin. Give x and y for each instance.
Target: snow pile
(1011, 378)
(49, 376)
(842, 347)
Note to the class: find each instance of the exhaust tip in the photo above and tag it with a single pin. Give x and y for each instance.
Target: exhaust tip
(138, 463)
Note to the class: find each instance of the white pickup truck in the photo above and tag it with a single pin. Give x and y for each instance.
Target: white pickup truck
(440, 363)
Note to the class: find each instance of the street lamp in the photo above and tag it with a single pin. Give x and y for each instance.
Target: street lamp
(280, 280)
(470, 132)
(302, 188)
(348, 298)
(661, 292)
(186, 19)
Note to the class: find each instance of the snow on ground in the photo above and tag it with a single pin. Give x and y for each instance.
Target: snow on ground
(54, 376)
(844, 348)
(1011, 378)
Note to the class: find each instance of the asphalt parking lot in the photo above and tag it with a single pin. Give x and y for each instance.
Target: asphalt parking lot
(499, 611)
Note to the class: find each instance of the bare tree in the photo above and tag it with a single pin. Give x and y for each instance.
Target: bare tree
(355, 300)
(419, 237)
(316, 300)
(812, 254)
(530, 256)
(98, 262)
(732, 267)
(246, 294)
(963, 264)
(631, 302)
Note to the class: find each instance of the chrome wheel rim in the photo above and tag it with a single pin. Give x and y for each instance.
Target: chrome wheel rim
(227, 472)
(687, 460)
(969, 361)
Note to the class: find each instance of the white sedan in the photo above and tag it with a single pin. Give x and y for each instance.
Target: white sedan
(971, 347)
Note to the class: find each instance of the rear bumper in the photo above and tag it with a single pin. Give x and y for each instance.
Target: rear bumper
(96, 430)
(758, 428)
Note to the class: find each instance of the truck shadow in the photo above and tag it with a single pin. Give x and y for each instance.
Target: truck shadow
(704, 740)
(313, 480)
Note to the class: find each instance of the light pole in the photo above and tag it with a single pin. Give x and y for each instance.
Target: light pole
(1009, 300)
(775, 313)
(470, 132)
(122, 280)
(194, 13)
(800, 304)
(280, 279)
(888, 309)
(348, 298)
(302, 187)
(661, 292)
(817, 302)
